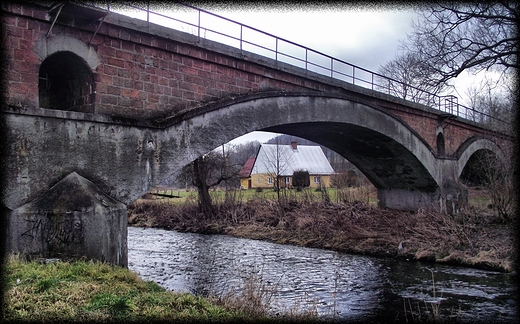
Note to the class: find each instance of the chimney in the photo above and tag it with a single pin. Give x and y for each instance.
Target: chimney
(294, 145)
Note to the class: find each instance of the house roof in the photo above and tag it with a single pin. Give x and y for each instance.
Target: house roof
(303, 158)
(245, 172)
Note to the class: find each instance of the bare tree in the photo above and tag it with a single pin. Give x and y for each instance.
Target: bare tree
(496, 174)
(491, 102)
(487, 170)
(277, 162)
(415, 79)
(239, 153)
(208, 171)
(452, 37)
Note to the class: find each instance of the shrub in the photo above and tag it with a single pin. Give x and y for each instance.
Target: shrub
(301, 179)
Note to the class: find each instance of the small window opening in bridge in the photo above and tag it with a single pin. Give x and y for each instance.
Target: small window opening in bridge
(441, 150)
(66, 83)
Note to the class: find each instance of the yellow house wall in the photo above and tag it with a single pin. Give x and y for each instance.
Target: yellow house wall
(261, 181)
(244, 183)
(324, 181)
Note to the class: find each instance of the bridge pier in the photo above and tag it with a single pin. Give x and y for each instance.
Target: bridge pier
(454, 196)
(72, 220)
(451, 198)
(406, 199)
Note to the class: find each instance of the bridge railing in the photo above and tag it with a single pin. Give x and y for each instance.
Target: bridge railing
(214, 27)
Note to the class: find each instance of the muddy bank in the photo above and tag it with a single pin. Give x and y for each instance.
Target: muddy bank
(471, 239)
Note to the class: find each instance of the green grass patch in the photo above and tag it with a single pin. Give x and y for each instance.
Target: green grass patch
(366, 194)
(82, 291)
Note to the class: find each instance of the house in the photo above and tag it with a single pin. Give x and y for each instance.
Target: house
(275, 161)
(245, 174)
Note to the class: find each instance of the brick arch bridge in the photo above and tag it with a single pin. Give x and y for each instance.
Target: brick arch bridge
(101, 107)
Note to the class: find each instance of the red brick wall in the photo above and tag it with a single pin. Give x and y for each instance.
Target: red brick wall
(141, 76)
(22, 63)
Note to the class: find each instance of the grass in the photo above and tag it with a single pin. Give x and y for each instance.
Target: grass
(92, 291)
(82, 291)
(366, 194)
(479, 198)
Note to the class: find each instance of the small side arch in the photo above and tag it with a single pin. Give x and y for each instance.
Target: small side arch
(62, 43)
(66, 79)
(468, 148)
(66, 83)
(441, 149)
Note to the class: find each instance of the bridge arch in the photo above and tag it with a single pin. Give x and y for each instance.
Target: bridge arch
(473, 148)
(383, 147)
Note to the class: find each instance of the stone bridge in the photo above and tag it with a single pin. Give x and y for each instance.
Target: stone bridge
(101, 107)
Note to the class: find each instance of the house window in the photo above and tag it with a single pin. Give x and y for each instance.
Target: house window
(270, 180)
(317, 180)
(258, 180)
(287, 180)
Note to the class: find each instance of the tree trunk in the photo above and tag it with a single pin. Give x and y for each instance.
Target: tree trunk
(199, 180)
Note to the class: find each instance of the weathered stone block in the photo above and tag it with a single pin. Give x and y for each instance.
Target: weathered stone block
(72, 220)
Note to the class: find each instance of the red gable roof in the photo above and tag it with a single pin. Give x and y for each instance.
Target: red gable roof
(245, 172)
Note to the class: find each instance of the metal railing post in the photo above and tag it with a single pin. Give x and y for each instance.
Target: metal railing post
(241, 28)
(276, 50)
(148, 13)
(198, 25)
(306, 59)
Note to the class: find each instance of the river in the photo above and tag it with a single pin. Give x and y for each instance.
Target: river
(330, 284)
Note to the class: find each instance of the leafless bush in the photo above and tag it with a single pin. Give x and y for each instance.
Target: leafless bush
(494, 174)
(345, 180)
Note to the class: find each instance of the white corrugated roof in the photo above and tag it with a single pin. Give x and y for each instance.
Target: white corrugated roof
(304, 158)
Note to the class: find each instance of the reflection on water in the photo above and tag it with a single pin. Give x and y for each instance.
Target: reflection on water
(337, 285)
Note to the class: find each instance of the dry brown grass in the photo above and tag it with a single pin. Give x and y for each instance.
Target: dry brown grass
(471, 239)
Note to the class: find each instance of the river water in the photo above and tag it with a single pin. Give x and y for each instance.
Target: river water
(330, 284)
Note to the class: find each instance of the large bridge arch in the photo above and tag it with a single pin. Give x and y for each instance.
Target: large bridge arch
(125, 159)
(391, 154)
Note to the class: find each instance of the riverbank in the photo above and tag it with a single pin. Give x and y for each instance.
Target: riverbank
(52, 290)
(472, 239)
(87, 291)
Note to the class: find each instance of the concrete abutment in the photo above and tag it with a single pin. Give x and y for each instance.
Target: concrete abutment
(406, 199)
(72, 220)
(451, 198)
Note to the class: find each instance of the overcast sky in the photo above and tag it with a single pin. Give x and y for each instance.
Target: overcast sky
(366, 36)
(362, 36)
